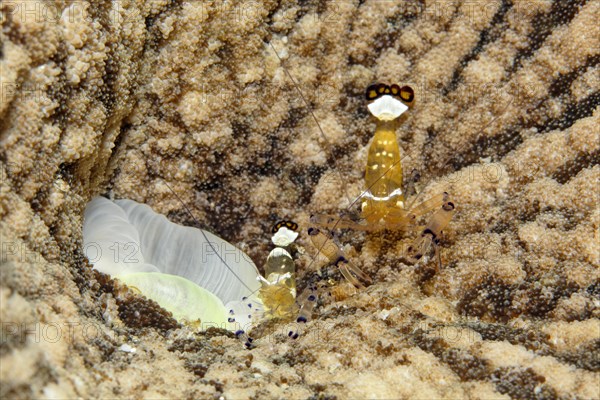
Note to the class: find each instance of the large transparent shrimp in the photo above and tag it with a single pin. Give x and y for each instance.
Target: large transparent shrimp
(383, 202)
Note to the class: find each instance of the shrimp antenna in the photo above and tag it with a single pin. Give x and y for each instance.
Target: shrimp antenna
(314, 117)
(212, 247)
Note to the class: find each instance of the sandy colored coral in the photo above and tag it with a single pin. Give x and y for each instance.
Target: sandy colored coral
(144, 99)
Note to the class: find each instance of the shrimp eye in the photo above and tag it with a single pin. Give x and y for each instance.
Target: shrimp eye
(372, 92)
(313, 231)
(382, 89)
(291, 225)
(407, 94)
(449, 206)
(429, 232)
(341, 259)
(276, 227)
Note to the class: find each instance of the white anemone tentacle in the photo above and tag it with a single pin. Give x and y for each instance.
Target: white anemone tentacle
(188, 271)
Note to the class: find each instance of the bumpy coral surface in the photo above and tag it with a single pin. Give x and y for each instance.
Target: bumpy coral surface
(188, 104)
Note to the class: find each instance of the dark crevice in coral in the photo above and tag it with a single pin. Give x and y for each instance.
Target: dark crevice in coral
(8, 28)
(299, 356)
(38, 203)
(83, 275)
(306, 178)
(18, 391)
(106, 349)
(240, 130)
(296, 114)
(492, 300)
(572, 113)
(425, 273)
(207, 186)
(522, 384)
(488, 35)
(562, 85)
(532, 339)
(149, 22)
(61, 91)
(107, 93)
(501, 226)
(65, 171)
(264, 163)
(395, 24)
(123, 130)
(542, 300)
(269, 22)
(561, 13)
(230, 216)
(353, 104)
(573, 167)
(173, 7)
(198, 353)
(464, 364)
(326, 10)
(319, 391)
(259, 169)
(594, 289)
(586, 356)
(528, 214)
(305, 7)
(499, 302)
(496, 147)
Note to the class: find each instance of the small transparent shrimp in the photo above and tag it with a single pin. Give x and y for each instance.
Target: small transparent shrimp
(277, 294)
(278, 291)
(383, 201)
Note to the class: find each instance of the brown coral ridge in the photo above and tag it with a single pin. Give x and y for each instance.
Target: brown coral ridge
(123, 96)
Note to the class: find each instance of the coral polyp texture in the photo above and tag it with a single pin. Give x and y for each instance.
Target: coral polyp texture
(186, 106)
